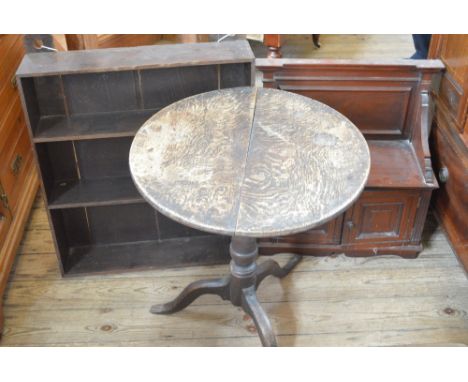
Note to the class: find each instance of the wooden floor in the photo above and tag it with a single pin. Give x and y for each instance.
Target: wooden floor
(343, 46)
(329, 301)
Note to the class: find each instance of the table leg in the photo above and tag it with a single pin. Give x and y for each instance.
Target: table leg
(315, 40)
(240, 287)
(273, 43)
(252, 307)
(194, 290)
(271, 267)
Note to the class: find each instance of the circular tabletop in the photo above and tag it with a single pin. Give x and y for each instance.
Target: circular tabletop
(249, 162)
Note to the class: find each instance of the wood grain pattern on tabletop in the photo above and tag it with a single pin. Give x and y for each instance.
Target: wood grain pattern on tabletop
(249, 162)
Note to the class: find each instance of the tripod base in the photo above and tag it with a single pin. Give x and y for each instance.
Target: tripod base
(240, 287)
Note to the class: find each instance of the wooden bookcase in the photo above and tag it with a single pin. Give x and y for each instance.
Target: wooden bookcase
(83, 109)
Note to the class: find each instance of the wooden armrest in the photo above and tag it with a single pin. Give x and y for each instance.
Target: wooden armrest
(421, 134)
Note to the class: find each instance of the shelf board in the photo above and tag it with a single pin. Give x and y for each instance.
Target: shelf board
(99, 192)
(136, 58)
(171, 253)
(90, 126)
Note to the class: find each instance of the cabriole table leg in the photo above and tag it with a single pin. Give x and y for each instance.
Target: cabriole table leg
(194, 290)
(240, 287)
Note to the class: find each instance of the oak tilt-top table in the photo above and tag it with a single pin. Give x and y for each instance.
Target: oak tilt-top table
(248, 163)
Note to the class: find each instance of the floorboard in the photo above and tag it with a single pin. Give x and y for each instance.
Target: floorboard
(343, 46)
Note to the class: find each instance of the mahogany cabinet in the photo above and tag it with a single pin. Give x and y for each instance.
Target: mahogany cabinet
(18, 176)
(449, 141)
(389, 101)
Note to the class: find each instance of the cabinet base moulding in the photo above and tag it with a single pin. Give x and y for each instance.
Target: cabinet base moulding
(405, 251)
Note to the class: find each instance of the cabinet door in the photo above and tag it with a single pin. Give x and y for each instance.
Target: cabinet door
(381, 216)
(328, 233)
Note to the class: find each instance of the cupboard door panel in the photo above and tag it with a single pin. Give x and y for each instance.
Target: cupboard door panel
(380, 216)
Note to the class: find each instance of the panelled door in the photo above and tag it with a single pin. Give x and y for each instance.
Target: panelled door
(381, 216)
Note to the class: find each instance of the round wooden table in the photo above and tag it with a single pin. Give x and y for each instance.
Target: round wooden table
(248, 163)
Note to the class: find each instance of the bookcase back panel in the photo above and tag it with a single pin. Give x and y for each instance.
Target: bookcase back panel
(161, 87)
(50, 96)
(57, 163)
(122, 223)
(75, 226)
(103, 158)
(104, 225)
(234, 75)
(31, 103)
(70, 230)
(101, 92)
(170, 229)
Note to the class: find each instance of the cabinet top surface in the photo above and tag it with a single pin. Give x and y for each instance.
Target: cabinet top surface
(249, 161)
(134, 58)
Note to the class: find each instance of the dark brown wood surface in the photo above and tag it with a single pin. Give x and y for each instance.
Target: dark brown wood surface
(389, 101)
(249, 162)
(134, 58)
